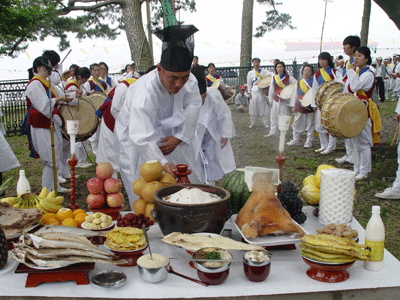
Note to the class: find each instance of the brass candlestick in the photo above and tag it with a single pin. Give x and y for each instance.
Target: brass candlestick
(72, 163)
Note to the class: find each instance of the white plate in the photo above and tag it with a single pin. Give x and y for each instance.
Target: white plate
(327, 263)
(9, 265)
(49, 268)
(83, 225)
(271, 240)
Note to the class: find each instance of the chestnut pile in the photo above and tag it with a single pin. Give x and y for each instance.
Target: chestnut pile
(133, 220)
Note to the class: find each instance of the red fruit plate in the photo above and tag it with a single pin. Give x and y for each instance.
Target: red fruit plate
(327, 272)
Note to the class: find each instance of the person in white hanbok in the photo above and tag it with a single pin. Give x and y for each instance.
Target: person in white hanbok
(54, 58)
(8, 160)
(215, 128)
(159, 116)
(40, 112)
(106, 151)
(111, 83)
(304, 116)
(361, 83)
(279, 106)
(387, 78)
(258, 106)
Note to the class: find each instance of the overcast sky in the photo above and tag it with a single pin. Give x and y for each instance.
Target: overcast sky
(218, 39)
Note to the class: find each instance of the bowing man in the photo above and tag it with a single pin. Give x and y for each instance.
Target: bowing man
(159, 116)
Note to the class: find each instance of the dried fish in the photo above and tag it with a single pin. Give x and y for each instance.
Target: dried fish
(68, 229)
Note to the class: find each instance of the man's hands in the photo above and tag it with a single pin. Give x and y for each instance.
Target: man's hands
(169, 144)
(169, 168)
(224, 141)
(78, 93)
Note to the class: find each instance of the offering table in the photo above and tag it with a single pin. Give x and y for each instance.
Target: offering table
(287, 279)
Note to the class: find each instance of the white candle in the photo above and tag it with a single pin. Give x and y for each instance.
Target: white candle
(72, 140)
(282, 141)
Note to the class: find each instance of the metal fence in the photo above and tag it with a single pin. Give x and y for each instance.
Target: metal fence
(13, 99)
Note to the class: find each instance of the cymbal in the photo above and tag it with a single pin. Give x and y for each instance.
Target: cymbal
(265, 82)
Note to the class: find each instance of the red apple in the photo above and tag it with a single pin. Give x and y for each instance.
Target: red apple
(115, 199)
(104, 170)
(112, 185)
(95, 185)
(96, 201)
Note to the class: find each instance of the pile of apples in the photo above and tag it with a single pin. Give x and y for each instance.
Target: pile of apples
(104, 189)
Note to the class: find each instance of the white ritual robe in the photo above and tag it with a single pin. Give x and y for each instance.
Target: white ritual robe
(8, 160)
(41, 137)
(215, 120)
(361, 143)
(149, 114)
(258, 105)
(106, 151)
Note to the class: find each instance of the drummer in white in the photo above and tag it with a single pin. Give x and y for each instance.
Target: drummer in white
(258, 105)
(304, 116)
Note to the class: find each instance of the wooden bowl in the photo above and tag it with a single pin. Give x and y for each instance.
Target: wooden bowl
(111, 211)
(327, 272)
(131, 256)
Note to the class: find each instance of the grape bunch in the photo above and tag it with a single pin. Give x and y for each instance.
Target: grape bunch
(291, 202)
(133, 220)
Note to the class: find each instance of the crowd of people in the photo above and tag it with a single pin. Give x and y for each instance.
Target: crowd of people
(173, 113)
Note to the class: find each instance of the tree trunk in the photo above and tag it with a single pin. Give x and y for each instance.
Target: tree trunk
(247, 37)
(392, 9)
(138, 44)
(365, 22)
(149, 32)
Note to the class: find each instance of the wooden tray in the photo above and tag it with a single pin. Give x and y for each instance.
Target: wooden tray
(76, 272)
(113, 212)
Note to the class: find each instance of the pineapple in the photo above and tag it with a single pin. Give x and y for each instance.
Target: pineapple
(3, 249)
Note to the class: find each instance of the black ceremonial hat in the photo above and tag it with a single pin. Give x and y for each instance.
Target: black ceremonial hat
(177, 47)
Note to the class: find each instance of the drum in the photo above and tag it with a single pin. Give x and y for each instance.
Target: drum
(327, 90)
(344, 115)
(287, 92)
(307, 99)
(265, 82)
(96, 99)
(227, 92)
(85, 113)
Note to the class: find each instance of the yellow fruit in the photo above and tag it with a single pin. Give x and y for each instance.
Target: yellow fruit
(147, 213)
(69, 222)
(151, 170)
(64, 213)
(324, 166)
(138, 185)
(310, 194)
(149, 189)
(46, 217)
(78, 211)
(80, 218)
(139, 206)
(167, 179)
(52, 222)
(308, 180)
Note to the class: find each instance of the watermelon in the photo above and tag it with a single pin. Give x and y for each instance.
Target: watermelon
(235, 184)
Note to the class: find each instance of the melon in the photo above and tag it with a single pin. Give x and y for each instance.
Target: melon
(139, 206)
(151, 170)
(149, 189)
(137, 186)
(235, 184)
(149, 208)
(310, 194)
(308, 180)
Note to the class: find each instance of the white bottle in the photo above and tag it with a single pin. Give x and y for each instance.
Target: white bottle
(23, 186)
(375, 240)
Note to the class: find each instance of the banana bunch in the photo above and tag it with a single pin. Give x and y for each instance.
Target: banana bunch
(332, 249)
(47, 202)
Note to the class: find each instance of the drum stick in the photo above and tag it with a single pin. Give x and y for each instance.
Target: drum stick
(395, 135)
(66, 55)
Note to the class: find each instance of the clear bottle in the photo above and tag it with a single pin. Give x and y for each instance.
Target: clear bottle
(375, 240)
(23, 186)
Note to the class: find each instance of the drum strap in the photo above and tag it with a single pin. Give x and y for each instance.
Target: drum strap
(98, 83)
(211, 78)
(278, 81)
(258, 74)
(304, 86)
(45, 83)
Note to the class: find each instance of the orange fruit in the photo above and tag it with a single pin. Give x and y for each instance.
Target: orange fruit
(139, 206)
(80, 218)
(52, 221)
(69, 222)
(78, 211)
(46, 217)
(64, 213)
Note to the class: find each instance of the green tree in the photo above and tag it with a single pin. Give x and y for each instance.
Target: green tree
(97, 18)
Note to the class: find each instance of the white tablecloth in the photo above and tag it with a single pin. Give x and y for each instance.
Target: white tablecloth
(288, 276)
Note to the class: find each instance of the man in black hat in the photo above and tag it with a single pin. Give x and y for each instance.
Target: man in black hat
(160, 113)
